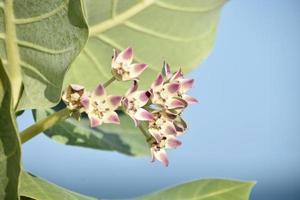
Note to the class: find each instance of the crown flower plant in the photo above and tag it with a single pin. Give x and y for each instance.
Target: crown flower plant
(102, 76)
(169, 90)
(155, 111)
(133, 102)
(122, 67)
(100, 107)
(72, 96)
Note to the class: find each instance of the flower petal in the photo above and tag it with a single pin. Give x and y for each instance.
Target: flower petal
(169, 129)
(143, 115)
(142, 97)
(189, 99)
(85, 102)
(161, 156)
(166, 71)
(125, 56)
(136, 122)
(158, 82)
(177, 75)
(172, 142)
(95, 121)
(186, 84)
(172, 87)
(111, 117)
(152, 154)
(76, 87)
(155, 133)
(170, 115)
(99, 91)
(180, 126)
(114, 65)
(125, 102)
(114, 101)
(135, 70)
(175, 103)
(134, 86)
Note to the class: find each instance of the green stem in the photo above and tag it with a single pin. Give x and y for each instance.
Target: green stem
(107, 83)
(145, 133)
(44, 124)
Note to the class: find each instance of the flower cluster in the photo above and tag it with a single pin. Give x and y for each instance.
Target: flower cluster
(169, 99)
(158, 108)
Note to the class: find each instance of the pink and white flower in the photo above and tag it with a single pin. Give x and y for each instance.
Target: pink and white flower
(168, 90)
(165, 94)
(122, 67)
(100, 108)
(161, 125)
(158, 149)
(166, 123)
(133, 103)
(72, 95)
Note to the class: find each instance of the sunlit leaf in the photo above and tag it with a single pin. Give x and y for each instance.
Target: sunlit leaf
(179, 31)
(208, 189)
(9, 142)
(39, 189)
(38, 41)
(124, 138)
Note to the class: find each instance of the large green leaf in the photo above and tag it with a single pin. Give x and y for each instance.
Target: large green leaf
(210, 189)
(179, 31)
(10, 152)
(39, 189)
(38, 41)
(124, 138)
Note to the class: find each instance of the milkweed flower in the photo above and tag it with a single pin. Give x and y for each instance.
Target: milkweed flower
(161, 125)
(100, 107)
(156, 111)
(133, 102)
(168, 95)
(158, 149)
(164, 128)
(184, 86)
(122, 67)
(72, 95)
(165, 94)
(169, 90)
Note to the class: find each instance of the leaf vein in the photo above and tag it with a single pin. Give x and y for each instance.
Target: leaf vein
(222, 191)
(186, 9)
(41, 48)
(110, 23)
(93, 59)
(114, 8)
(142, 29)
(43, 16)
(33, 69)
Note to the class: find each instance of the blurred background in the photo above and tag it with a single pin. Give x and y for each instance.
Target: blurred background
(246, 126)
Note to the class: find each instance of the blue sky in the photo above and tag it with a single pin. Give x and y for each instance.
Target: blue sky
(246, 125)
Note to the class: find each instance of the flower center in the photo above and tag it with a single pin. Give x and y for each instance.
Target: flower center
(159, 121)
(122, 69)
(99, 108)
(132, 105)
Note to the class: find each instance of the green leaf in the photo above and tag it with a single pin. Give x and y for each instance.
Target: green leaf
(39, 189)
(209, 189)
(38, 41)
(124, 138)
(10, 152)
(178, 31)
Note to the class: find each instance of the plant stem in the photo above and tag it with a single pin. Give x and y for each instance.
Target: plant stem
(107, 83)
(147, 136)
(44, 124)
